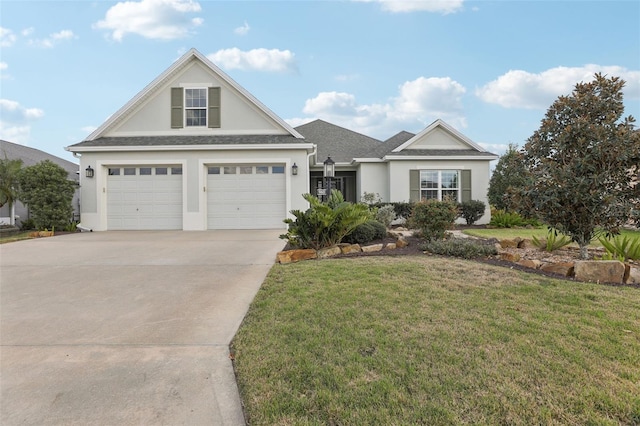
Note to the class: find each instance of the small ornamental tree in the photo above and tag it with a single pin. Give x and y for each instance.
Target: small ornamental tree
(508, 180)
(9, 171)
(48, 192)
(581, 159)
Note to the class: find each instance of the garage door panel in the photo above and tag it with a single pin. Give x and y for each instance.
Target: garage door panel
(246, 200)
(144, 202)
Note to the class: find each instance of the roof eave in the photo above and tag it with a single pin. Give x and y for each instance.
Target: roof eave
(227, 147)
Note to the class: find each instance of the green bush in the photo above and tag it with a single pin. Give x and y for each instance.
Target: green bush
(27, 224)
(554, 241)
(472, 210)
(621, 247)
(433, 218)
(367, 232)
(386, 214)
(324, 224)
(457, 247)
(402, 209)
(504, 219)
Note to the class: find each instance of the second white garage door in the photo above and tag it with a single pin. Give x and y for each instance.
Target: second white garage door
(246, 196)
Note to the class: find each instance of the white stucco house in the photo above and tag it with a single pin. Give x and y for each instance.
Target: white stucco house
(195, 151)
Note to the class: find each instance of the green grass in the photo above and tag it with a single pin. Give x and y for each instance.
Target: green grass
(16, 237)
(436, 341)
(511, 233)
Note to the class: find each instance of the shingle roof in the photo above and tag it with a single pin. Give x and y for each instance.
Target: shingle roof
(443, 153)
(389, 145)
(189, 140)
(31, 156)
(341, 144)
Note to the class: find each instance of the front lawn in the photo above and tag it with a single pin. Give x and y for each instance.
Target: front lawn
(430, 340)
(526, 233)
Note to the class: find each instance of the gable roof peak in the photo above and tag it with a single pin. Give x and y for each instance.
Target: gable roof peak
(439, 123)
(182, 61)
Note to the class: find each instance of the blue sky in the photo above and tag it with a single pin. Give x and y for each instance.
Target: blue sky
(489, 68)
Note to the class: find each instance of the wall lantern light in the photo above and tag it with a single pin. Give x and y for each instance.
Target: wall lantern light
(294, 169)
(329, 167)
(88, 172)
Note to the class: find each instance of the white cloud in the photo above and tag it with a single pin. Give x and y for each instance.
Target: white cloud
(521, 89)
(418, 104)
(27, 31)
(15, 123)
(53, 39)
(257, 59)
(243, 30)
(347, 77)
(153, 19)
(406, 6)
(7, 37)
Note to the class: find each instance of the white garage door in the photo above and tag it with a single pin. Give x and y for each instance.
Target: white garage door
(145, 197)
(246, 196)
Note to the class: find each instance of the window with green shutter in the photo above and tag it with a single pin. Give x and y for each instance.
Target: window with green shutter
(440, 184)
(195, 107)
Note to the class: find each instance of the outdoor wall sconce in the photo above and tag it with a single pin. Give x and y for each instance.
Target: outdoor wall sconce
(88, 172)
(294, 169)
(329, 167)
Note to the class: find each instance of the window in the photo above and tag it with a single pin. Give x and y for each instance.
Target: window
(114, 171)
(176, 170)
(161, 170)
(277, 169)
(229, 170)
(262, 170)
(145, 171)
(195, 107)
(246, 170)
(214, 170)
(129, 171)
(439, 184)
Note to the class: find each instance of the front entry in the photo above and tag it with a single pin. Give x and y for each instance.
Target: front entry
(344, 182)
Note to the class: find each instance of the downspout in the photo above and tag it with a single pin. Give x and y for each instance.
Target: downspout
(314, 152)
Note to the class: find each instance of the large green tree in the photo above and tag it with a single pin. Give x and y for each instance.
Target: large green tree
(508, 180)
(9, 171)
(47, 190)
(581, 159)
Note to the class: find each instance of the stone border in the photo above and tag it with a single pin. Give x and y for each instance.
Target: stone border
(290, 256)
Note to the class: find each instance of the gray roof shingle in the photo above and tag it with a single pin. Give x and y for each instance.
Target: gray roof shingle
(189, 140)
(32, 156)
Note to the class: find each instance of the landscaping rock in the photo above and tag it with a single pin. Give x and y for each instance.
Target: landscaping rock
(525, 244)
(509, 243)
(562, 268)
(372, 248)
(633, 275)
(528, 263)
(509, 257)
(329, 252)
(350, 248)
(390, 246)
(401, 242)
(600, 271)
(289, 256)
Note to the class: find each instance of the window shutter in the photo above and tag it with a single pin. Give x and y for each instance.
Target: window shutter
(177, 108)
(414, 185)
(214, 107)
(466, 185)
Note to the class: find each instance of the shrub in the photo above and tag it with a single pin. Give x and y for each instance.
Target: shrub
(504, 219)
(366, 232)
(27, 224)
(554, 241)
(456, 247)
(324, 224)
(386, 214)
(621, 247)
(472, 210)
(370, 198)
(432, 218)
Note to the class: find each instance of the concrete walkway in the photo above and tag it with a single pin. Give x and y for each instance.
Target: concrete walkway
(126, 328)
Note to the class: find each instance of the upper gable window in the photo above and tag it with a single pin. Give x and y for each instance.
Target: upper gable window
(195, 107)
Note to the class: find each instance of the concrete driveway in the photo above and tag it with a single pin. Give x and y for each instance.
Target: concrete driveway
(117, 328)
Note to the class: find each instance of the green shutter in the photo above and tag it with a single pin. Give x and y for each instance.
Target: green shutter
(214, 107)
(466, 185)
(177, 104)
(414, 185)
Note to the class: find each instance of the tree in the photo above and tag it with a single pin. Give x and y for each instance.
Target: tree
(581, 159)
(48, 192)
(509, 178)
(9, 171)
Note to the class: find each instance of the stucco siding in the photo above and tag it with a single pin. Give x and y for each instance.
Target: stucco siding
(373, 178)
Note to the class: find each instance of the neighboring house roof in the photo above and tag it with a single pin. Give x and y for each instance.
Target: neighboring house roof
(32, 156)
(341, 144)
(167, 141)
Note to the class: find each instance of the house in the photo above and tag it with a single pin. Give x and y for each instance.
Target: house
(15, 214)
(194, 151)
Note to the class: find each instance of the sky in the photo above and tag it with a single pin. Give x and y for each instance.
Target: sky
(490, 69)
